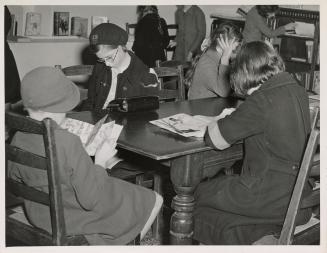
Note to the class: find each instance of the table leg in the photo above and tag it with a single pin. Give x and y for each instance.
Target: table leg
(185, 173)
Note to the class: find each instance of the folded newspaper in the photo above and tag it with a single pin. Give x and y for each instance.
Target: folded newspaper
(93, 135)
(184, 124)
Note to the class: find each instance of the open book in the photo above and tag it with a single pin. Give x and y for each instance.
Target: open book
(93, 135)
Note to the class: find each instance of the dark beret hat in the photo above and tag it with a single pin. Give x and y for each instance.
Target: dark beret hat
(108, 34)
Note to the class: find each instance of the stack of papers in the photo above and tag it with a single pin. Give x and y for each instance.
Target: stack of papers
(303, 29)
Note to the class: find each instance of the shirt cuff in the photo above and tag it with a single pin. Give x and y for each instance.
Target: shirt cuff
(215, 136)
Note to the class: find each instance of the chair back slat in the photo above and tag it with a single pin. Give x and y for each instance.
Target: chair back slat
(22, 123)
(27, 192)
(77, 70)
(172, 31)
(20, 156)
(287, 232)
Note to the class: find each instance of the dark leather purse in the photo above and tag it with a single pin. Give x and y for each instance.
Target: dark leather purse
(134, 104)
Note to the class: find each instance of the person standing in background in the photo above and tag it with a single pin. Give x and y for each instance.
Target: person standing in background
(191, 32)
(256, 26)
(151, 36)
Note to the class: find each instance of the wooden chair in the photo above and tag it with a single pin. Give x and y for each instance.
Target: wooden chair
(20, 229)
(79, 75)
(129, 27)
(172, 31)
(308, 233)
(177, 93)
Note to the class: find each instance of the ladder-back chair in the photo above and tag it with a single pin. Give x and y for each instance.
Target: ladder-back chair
(78, 74)
(172, 31)
(308, 233)
(18, 228)
(128, 28)
(175, 78)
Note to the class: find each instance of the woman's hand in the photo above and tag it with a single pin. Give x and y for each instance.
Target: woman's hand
(224, 113)
(290, 26)
(226, 46)
(105, 152)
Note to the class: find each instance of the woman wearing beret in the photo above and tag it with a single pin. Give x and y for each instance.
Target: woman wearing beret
(118, 73)
(274, 123)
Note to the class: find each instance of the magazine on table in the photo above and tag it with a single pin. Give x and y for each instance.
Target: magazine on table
(93, 135)
(188, 125)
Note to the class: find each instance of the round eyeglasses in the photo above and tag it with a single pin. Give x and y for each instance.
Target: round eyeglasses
(108, 58)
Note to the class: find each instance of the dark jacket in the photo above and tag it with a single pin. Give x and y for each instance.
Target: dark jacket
(149, 44)
(129, 83)
(191, 32)
(12, 79)
(274, 123)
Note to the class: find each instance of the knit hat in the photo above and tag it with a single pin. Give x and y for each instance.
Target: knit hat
(48, 89)
(108, 34)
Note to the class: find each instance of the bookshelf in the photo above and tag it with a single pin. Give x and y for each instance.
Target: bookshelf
(300, 53)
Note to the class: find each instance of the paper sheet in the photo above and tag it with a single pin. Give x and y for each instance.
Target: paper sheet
(305, 29)
(93, 135)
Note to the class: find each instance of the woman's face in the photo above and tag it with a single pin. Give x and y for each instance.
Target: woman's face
(108, 55)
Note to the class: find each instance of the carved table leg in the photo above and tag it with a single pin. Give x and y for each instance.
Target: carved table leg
(185, 173)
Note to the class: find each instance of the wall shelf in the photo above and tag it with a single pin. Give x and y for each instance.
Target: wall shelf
(45, 39)
(294, 48)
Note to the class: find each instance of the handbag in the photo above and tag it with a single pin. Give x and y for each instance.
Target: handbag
(134, 104)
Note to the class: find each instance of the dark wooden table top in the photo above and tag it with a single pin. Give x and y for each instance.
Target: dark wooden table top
(144, 138)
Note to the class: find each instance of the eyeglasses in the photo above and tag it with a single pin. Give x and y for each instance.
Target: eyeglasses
(109, 57)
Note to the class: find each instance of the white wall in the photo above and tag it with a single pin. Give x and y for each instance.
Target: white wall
(31, 55)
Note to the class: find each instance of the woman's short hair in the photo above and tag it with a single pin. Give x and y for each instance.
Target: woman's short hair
(229, 29)
(150, 9)
(254, 64)
(264, 10)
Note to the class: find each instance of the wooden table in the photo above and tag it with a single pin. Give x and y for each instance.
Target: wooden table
(189, 159)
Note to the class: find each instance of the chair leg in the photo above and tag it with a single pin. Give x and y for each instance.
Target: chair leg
(157, 226)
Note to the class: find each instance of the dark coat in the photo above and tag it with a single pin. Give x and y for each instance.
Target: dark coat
(12, 79)
(129, 83)
(274, 122)
(149, 44)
